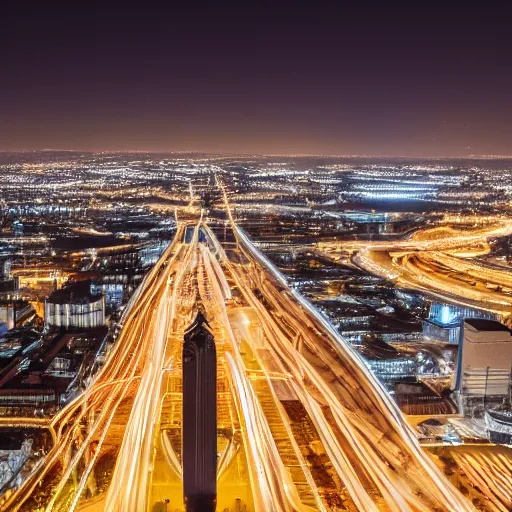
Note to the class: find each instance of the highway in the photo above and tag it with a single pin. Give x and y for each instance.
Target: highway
(83, 425)
(303, 424)
(440, 262)
(491, 471)
(442, 239)
(374, 451)
(129, 489)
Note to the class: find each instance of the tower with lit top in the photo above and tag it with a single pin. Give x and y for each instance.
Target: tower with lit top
(199, 427)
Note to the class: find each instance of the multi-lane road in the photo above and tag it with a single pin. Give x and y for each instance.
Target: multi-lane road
(302, 423)
(88, 424)
(439, 261)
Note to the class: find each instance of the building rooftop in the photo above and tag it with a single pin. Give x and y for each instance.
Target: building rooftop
(479, 324)
(75, 293)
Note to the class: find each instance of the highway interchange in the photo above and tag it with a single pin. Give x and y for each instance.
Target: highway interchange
(440, 262)
(278, 360)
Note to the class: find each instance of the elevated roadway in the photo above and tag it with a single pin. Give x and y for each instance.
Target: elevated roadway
(303, 423)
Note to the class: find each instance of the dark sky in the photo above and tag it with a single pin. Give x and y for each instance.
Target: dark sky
(417, 80)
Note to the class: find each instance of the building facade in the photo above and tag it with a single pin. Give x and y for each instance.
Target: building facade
(444, 321)
(485, 359)
(75, 306)
(199, 426)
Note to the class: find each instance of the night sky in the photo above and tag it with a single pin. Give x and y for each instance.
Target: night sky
(418, 81)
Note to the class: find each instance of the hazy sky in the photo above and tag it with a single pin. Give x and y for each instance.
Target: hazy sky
(384, 81)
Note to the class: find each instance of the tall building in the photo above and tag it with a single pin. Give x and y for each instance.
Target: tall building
(444, 321)
(199, 425)
(485, 359)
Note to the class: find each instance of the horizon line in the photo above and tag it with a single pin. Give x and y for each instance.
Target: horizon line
(256, 154)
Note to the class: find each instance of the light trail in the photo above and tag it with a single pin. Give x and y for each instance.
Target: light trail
(492, 474)
(123, 363)
(297, 364)
(411, 480)
(278, 344)
(271, 483)
(442, 276)
(432, 239)
(130, 483)
(435, 261)
(170, 455)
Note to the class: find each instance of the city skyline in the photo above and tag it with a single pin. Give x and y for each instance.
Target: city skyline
(352, 331)
(255, 257)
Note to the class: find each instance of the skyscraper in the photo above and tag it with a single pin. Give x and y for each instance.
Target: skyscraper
(485, 358)
(199, 417)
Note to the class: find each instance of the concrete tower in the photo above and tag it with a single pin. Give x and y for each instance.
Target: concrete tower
(199, 425)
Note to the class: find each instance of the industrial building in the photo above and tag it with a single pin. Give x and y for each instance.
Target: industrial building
(75, 306)
(36, 371)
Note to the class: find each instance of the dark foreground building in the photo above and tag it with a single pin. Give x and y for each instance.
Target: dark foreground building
(199, 425)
